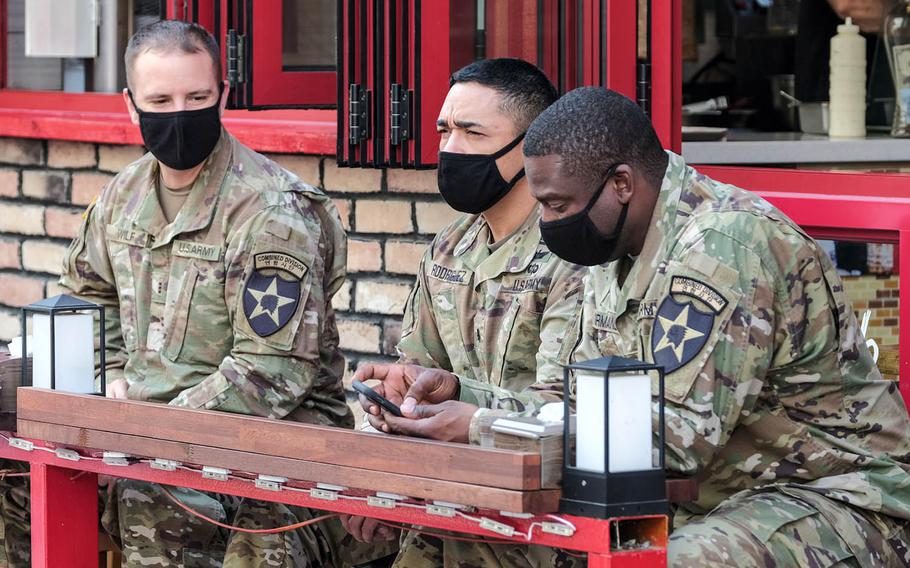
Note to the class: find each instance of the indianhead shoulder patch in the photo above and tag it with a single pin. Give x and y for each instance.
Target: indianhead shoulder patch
(272, 292)
(680, 332)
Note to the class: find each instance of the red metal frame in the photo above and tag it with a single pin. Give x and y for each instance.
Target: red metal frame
(185, 10)
(666, 72)
(621, 46)
(67, 536)
(272, 85)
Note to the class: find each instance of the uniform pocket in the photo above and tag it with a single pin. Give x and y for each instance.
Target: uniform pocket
(519, 340)
(178, 313)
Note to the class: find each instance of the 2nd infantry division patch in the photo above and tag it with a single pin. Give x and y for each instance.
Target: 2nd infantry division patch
(270, 300)
(680, 332)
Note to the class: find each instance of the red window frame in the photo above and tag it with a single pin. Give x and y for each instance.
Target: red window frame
(266, 84)
(102, 117)
(855, 206)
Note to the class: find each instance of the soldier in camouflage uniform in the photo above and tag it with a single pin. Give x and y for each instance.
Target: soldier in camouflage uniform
(491, 303)
(773, 402)
(222, 302)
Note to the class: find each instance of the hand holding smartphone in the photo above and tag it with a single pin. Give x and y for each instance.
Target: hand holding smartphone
(374, 396)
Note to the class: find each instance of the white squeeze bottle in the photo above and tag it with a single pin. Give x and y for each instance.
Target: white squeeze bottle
(848, 83)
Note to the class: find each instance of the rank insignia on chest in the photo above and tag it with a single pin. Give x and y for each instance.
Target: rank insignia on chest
(270, 300)
(680, 332)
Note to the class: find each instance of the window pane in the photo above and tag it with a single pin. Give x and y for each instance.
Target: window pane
(74, 74)
(308, 35)
(870, 281)
(526, 29)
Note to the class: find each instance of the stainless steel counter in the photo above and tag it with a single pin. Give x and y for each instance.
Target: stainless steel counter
(747, 147)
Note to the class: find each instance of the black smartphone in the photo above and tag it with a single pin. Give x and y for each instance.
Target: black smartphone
(376, 397)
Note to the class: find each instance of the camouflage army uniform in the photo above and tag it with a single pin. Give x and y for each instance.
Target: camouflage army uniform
(496, 317)
(226, 308)
(773, 401)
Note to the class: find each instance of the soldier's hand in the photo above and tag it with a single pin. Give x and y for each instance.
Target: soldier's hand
(117, 388)
(365, 529)
(449, 421)
(398, 381)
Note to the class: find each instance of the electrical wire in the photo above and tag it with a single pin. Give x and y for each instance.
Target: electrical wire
(275, 530)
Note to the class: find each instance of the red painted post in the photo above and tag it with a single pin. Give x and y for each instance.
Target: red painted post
(64, 517)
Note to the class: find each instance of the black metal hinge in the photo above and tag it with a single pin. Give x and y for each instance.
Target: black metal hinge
(358, 114)
(400, 115)
(643, 87)
(236, 58)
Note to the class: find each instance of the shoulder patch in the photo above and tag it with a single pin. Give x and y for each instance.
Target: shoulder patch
(269, 302)
(280, 261)
(698, 290)
(446, 274)
(680, 332)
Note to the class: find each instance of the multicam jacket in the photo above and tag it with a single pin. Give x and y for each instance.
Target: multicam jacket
(496, 318)
(229, 306)
(768, 377)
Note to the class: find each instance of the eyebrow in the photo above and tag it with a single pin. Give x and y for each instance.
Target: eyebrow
(168, 95)
(463, 124)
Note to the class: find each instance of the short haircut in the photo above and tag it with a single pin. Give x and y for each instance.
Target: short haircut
(166, 36)
(524, 88)
(591, 129)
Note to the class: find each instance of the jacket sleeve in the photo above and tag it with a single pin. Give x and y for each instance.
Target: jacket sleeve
(88, 274)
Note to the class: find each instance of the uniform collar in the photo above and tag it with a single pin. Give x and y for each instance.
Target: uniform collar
(199, 208)
(515, 254)
(653, 253)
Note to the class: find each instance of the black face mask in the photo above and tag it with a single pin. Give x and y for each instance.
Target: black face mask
(183, 139)
(577, 239)
(471, 183)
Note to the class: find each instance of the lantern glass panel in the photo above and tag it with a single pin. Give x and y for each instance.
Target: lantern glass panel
(631, 439)
(74, 358)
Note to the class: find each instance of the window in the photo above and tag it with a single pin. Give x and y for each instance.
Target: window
(96, 67)
(396, 62)
(294, 68)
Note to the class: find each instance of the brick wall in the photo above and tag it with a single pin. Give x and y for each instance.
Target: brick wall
(879, 294)
(390, 215)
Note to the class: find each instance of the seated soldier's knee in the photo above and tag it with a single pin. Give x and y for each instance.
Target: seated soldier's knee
(714, 543)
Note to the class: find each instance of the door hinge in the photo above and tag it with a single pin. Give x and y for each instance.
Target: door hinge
(236, 58)
(358, 113)
(643, 87)
(400, 115)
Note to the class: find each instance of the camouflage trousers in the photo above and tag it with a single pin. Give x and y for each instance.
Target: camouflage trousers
(424, 551)
(15, 531)
(155, 532)
(788, 526)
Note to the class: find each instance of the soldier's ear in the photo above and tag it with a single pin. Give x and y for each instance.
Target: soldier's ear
(623, 183)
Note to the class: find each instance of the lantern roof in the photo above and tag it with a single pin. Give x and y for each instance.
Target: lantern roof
(59, 303)
(611, 364)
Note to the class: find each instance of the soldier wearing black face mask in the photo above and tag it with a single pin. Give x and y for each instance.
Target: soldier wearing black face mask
(217, 269)
(773, 401)
(491, 305)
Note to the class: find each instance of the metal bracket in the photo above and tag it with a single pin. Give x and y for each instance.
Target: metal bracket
(358, 114)
(400, 115)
